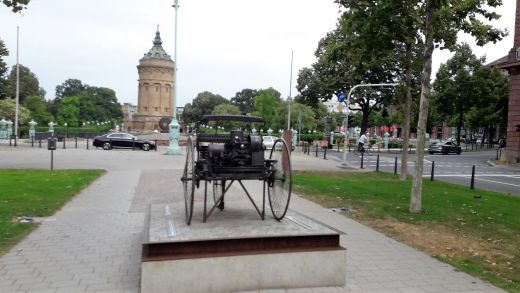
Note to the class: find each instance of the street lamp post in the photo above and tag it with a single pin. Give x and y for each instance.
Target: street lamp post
(347, 104)
(173, 148)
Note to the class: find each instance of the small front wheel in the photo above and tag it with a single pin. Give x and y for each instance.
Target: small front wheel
(107, 146)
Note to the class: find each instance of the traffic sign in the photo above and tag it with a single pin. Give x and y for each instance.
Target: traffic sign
(341, 96)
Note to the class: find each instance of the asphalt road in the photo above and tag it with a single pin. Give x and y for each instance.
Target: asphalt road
(451, 168)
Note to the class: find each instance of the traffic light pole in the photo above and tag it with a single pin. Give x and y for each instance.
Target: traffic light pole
(347, 103)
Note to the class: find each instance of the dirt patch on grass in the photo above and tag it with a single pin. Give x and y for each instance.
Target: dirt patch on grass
(451, 244)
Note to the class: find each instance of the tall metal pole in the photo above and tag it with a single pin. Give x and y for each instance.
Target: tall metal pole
(173, 148)
(347, 103)
(17, 83)
(290, 90)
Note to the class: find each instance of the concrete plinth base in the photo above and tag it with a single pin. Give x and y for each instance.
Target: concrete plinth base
(245, 272)
(238, 253)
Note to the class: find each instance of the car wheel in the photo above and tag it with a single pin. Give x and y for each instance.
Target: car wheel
(107, 146)
(458, 152)
(431, 153)
(146, 147)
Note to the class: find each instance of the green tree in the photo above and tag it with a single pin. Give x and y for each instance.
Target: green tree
(266, 104)
(443, 20)
(203, 104)
(70, 88)
(28, 86)
(454, 86)
(358, 51)
(302, 116)
(69, 111)
(8, 108)
(490, 95)
(98, 104)
(16, 5)
(244, 100)
(3, 70)
(226, 109)
(38, 110)
(381, 35)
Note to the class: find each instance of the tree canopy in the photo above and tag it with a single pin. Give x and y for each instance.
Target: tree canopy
(455, 87)
(8, 108)
(3, 70)
(70, 88)
(29, 84)
(244, 100)
(203, 104)
(36, 105)
(16, 5)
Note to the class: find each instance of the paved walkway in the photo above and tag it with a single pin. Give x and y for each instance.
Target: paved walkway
(93, 243)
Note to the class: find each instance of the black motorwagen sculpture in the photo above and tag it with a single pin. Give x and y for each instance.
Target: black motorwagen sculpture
(223, 158)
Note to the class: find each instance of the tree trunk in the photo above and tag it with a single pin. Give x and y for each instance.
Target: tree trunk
(459, 124)
(364, 120)
(406, 113)
(416, 196)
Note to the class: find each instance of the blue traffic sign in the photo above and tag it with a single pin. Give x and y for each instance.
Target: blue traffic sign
(341, 96)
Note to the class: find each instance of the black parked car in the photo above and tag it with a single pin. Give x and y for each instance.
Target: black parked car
(122, 140)
(444, 148)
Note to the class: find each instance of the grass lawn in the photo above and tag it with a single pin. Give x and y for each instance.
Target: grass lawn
(476, 231)
(35, 193)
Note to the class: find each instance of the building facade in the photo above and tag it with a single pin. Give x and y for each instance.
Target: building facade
(155, 91)
(512, 150)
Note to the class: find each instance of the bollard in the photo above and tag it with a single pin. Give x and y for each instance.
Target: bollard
(87, 142)
(64, 142)
(76, 142)
(316, 151)
(10, 138)
(395, 166)
(433, 171)
(377, 164)
(133, 143)
(40, 143)
(472, 186)
(338, 147)
(349, 148)
(156, 145)
(497, 155)
(362, 159)
(325, 154)
(32, 141)
(15, 139)
(500, 156)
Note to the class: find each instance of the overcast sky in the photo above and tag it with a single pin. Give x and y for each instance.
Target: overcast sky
(223, 46)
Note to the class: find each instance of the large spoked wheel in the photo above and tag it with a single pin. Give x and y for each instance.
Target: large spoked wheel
(188, 178)
(218, 190)
(280, 181)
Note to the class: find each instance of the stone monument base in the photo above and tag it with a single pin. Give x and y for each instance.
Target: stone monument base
(237, 251)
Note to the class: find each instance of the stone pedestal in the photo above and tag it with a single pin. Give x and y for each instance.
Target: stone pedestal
(237, 251)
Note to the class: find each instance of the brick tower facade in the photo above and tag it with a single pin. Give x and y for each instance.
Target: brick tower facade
(154, 104)
(512, 150)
